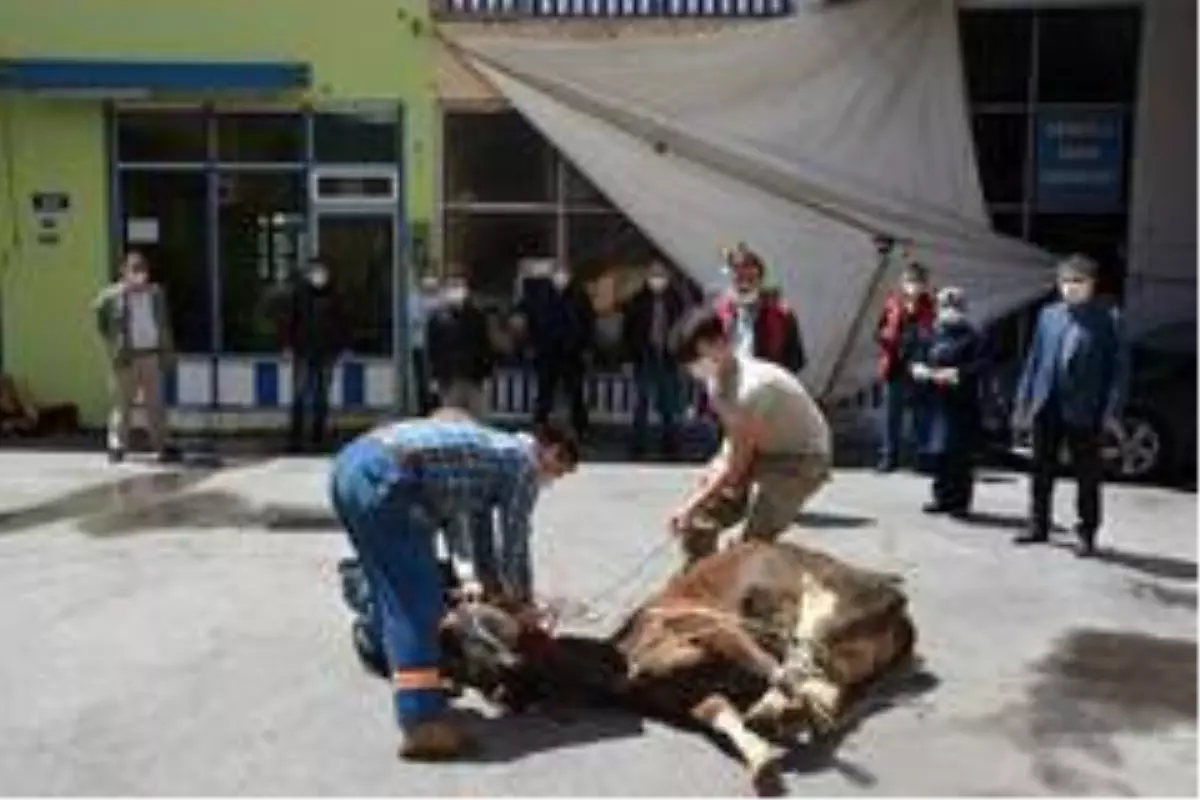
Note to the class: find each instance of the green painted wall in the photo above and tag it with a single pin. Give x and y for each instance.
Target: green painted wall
(359, 50)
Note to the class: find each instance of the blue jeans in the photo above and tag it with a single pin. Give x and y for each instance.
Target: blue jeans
(375, 500)
(660, 378)
(900, 395)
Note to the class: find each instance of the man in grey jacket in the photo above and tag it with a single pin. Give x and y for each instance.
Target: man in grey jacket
(132, 317)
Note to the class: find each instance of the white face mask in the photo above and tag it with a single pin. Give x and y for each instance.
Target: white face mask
(950, 316)
(318, 277)
(1076, 292)
(657, 283)
(561, 279)
(456, 295)
(703, 369)
(911, 289)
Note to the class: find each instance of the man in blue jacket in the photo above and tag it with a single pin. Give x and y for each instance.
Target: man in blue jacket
(1072, 387)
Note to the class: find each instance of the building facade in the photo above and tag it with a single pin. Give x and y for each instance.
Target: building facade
(228, 141)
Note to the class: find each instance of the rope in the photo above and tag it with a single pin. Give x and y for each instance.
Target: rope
(625, 580)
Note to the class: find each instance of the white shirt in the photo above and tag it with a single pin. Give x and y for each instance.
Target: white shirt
(795, 424)
(140, 321)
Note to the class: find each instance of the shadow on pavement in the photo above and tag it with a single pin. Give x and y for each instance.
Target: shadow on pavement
(1147, 564)
(516, 736)
(821, 520)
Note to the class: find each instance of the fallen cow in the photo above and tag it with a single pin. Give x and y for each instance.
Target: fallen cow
(756, 644)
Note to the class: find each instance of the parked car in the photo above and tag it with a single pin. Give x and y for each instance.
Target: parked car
(1158, 426)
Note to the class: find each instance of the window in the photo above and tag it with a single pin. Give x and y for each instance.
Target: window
(164, 215)
(1008, 223)
(598, 243)
(262, 239)
(162, 136)
(996, 47)
(497, 158)
(357, 138)
(260, 137)
(491, 246)
(1088, 55)
(582, 193)
(1000, 149)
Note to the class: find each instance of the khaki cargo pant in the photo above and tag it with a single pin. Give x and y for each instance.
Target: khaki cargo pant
(778, 489)
(141, 375)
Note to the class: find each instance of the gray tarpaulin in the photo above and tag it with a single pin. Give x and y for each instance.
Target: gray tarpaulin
(802, 137)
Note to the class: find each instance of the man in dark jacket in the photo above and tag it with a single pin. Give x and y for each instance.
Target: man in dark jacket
(313, 330)
(906, 320)
(951, 366)
(561, 325)
(647, 319)
(460, 350)
(1072, 387)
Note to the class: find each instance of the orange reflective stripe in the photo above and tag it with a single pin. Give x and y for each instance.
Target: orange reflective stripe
(419, 678)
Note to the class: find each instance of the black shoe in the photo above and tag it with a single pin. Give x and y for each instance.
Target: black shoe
(1087, 542)
(960, 514)
(885, 465)
(116, 455)
(169, 455)
(1032, 536)
(935, 507)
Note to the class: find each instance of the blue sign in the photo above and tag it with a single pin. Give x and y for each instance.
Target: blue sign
(1080, 159)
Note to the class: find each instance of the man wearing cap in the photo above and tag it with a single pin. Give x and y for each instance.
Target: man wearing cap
(759, 321)
(1071, 388)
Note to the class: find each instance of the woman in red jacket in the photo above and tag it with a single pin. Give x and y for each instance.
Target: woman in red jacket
(905, 322)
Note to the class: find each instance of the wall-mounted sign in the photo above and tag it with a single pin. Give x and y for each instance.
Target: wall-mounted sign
(48, 210)
(141, 230)
(1080, 159)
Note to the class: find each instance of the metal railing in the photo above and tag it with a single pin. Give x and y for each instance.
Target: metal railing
(609, 9)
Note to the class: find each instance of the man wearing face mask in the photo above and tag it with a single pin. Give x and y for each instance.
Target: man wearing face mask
(1072, 387)
(314, 332)
(561, 325)
(646, 322)
(778, 450)
(759, 321)
(906, 320)
(393, 488)
(952, 363)
(460, 350)
(132, 317)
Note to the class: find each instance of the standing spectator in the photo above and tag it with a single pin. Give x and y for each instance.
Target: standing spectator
(421, 304)
(314, 334)
(647, 319)
(459, 349)
(561, 325)
(1072, 387)
(759, 321)
(133, 320)
(952, 365)
(906, 320)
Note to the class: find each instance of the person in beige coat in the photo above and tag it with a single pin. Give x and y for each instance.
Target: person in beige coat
(132, 318)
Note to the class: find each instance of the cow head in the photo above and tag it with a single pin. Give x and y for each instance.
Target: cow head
(480, 645)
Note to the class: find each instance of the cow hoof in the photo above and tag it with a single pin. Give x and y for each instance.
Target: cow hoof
(766, 774)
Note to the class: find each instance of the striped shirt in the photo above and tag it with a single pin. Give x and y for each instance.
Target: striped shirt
(465, 468)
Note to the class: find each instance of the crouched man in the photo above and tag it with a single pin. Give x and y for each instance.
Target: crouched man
(393, 489)
(777, 451)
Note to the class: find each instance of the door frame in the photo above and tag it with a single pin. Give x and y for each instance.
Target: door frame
(403, 394)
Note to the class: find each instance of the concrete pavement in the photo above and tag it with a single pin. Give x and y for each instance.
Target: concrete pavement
(181, 633)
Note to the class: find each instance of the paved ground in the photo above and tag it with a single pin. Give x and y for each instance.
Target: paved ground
(181, 633)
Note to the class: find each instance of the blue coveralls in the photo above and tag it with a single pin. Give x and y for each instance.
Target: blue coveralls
(393, 489)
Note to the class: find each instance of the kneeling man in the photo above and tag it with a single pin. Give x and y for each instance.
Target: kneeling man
(777, 450)
(393, 489)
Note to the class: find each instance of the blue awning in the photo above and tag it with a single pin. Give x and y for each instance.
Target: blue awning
(166, 76)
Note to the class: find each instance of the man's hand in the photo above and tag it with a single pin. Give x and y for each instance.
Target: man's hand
(921, 372)
(1114, 427)
(470, 592)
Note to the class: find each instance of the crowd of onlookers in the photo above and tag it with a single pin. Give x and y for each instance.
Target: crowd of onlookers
(931, 362)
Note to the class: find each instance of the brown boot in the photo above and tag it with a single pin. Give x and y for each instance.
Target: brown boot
(433, 740)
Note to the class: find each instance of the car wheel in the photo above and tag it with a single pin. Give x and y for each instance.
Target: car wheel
(1142, 450)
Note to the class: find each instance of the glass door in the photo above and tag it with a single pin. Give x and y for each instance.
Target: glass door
(360, 250)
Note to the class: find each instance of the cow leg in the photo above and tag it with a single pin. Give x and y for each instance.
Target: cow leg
(719, 715)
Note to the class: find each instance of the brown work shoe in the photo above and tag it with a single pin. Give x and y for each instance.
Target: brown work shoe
(433, 740)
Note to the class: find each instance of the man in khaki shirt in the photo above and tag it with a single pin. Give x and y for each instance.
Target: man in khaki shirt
(777, 451)
(131, 315)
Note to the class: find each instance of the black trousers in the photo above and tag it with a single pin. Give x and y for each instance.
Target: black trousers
(954, 478)
(310, 403)
(567, 374)
(1049, 434)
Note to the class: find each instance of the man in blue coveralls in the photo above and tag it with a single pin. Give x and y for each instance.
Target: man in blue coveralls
(393, 488)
